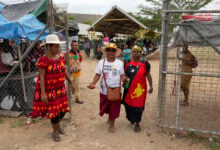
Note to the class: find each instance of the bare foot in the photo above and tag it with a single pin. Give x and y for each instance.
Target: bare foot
(111, 129)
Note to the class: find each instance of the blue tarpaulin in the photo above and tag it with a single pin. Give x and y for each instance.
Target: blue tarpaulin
(27, 27)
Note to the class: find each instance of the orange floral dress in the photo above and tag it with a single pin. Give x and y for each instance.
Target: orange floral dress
(54, 87)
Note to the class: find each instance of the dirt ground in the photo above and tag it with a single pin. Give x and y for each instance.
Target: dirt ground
(88, 131)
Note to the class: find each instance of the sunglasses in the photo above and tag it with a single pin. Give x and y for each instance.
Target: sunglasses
(110, 50)
(135, 51)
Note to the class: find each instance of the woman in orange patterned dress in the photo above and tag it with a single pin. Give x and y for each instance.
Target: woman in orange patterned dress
(50, 98)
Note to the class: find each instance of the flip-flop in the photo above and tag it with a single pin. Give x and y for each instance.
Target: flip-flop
(79, 101)
(183, 103)
(56, 137)
(61, 131)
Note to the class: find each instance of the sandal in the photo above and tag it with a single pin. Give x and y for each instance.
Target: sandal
(79, 101)
(60, 130)
(184, 103)
(137, 128)
(56, 137)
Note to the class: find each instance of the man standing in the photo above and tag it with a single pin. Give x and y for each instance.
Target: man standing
(75, 58)
(87, 48)
(126, 52)
(189, 62)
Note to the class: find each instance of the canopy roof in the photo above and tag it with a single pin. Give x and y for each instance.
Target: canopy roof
(83, 30)
(117, 21)
(26, 20)
(16, 23)
(14, 11)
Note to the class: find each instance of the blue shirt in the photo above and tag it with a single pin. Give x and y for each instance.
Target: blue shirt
(126, 54)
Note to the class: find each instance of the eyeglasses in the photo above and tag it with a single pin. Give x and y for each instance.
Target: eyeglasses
(110, 50)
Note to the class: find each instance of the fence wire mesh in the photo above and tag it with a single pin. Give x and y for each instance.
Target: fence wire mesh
(17, 91)
(202, 112)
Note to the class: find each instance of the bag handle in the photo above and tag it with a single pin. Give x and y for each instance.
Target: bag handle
(104, 74)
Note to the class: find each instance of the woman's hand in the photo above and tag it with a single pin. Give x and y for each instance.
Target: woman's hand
(124, 78)
(91, 86)
(150, 90)
(44, 98)
(72, 88)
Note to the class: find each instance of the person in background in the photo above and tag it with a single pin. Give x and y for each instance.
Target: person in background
(135, 91)
(189, 62)
(75, 59)
(36, 52)
(87, 47)
(4, 69)
(99, 53)
(50, 97)
(126, 52)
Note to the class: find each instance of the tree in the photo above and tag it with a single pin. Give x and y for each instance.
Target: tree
(151, 14)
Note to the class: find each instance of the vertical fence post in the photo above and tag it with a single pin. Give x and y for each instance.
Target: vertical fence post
(67, 57)
(178, 88)
(22, 74)
(50, 17)
(163, 61)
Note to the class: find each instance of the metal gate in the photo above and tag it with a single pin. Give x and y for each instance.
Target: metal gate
(200, 84)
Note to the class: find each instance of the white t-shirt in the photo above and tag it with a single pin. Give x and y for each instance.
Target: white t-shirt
(112, 71)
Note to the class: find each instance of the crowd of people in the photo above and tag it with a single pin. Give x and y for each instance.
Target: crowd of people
(50, 98)
(122, 73)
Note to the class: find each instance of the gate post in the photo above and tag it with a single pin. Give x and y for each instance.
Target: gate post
(163, 61)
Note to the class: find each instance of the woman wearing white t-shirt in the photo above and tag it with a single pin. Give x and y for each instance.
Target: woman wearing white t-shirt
(113, 70)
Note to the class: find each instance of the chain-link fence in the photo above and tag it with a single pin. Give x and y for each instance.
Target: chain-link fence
(189, 86)
(18, 72)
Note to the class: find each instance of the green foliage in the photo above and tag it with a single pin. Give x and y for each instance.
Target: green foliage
(71, 18)
(213, 145)
(17, 123)
(150, 14)
(87, 22)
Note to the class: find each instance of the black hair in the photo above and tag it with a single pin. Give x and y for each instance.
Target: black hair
(49, 45)
(74, 41)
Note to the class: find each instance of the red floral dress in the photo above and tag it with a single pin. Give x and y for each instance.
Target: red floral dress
(54, 87)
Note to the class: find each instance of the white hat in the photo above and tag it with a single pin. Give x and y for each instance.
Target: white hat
(53, 39)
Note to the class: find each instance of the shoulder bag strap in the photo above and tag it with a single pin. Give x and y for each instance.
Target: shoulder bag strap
(103, 73)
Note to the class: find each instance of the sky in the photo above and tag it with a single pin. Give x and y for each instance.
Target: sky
(103, 6)
(100, 6)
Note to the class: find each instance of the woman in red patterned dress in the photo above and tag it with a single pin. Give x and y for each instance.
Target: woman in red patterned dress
(50, 98)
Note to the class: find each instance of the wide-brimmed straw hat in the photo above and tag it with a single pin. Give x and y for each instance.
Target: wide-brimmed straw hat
(53, 39)
(136, 48)
(112, 46)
